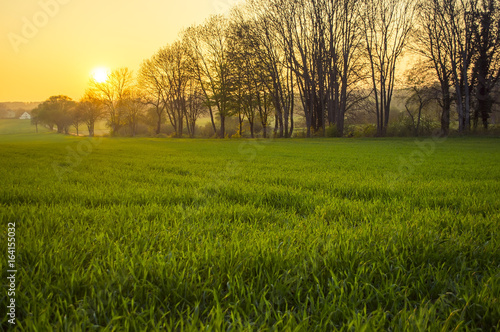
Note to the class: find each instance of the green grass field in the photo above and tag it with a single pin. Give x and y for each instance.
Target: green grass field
(284, 235)
(99, 129)
(24, 127)
(19, 127)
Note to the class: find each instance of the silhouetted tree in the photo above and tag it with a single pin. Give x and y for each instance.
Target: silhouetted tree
(35, 117)
(387, 24)
(57, 111)
(91, 110)
(208, 50)
(152, 84)
(112, 93)
(430, 42)
(487, 63)
(421, 94)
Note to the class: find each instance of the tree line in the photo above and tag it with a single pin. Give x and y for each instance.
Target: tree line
(269, 60)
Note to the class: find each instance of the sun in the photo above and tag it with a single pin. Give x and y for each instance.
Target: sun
(100, 75)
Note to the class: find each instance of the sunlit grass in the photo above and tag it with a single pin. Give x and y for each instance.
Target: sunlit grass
(144, 234)
(100, 128)
(17, 126)
(22, 128)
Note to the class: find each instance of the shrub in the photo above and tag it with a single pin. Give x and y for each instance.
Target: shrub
(399, 129)
(331, 131)
(369, 130)
(299, 133)
(206, 131)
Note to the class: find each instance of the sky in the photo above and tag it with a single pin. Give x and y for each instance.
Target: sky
(51, 47)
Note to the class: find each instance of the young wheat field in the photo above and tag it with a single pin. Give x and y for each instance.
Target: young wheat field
(252, 235)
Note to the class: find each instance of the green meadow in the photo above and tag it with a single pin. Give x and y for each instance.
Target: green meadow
(151, 234)
(16, 126)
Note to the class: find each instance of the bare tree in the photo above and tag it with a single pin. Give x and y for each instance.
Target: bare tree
(387, 24)
(152, 84)
(112, 93)
(251, 77)
(349, 59)
(195, 105)
(35, 117)
(173, 64)
(487, 64)
(76, 119)
(299, 37)
(457, 20)
(133, 107)
(430, 42)
(91, 110)
(265, 35)
(320, 40)
(208, 49)
(421, 94)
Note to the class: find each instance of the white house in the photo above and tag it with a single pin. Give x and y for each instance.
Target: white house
(25, 116)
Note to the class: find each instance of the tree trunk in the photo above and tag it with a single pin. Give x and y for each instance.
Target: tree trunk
(445, 114)
(485, 113)
(467, 94)
(308, 124)
(460, 111)
(342, 108)
(276, 124)
(240, 120)
(158, 125)
(286, 120)
(281, 123)
(417, 129)
(193, 128)
(181, 125)
(222, 126)
(212, 120)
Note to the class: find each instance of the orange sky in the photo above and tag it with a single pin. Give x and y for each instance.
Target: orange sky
(50, 47)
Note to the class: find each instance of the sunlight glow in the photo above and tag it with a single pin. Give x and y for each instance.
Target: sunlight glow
(100, 74)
